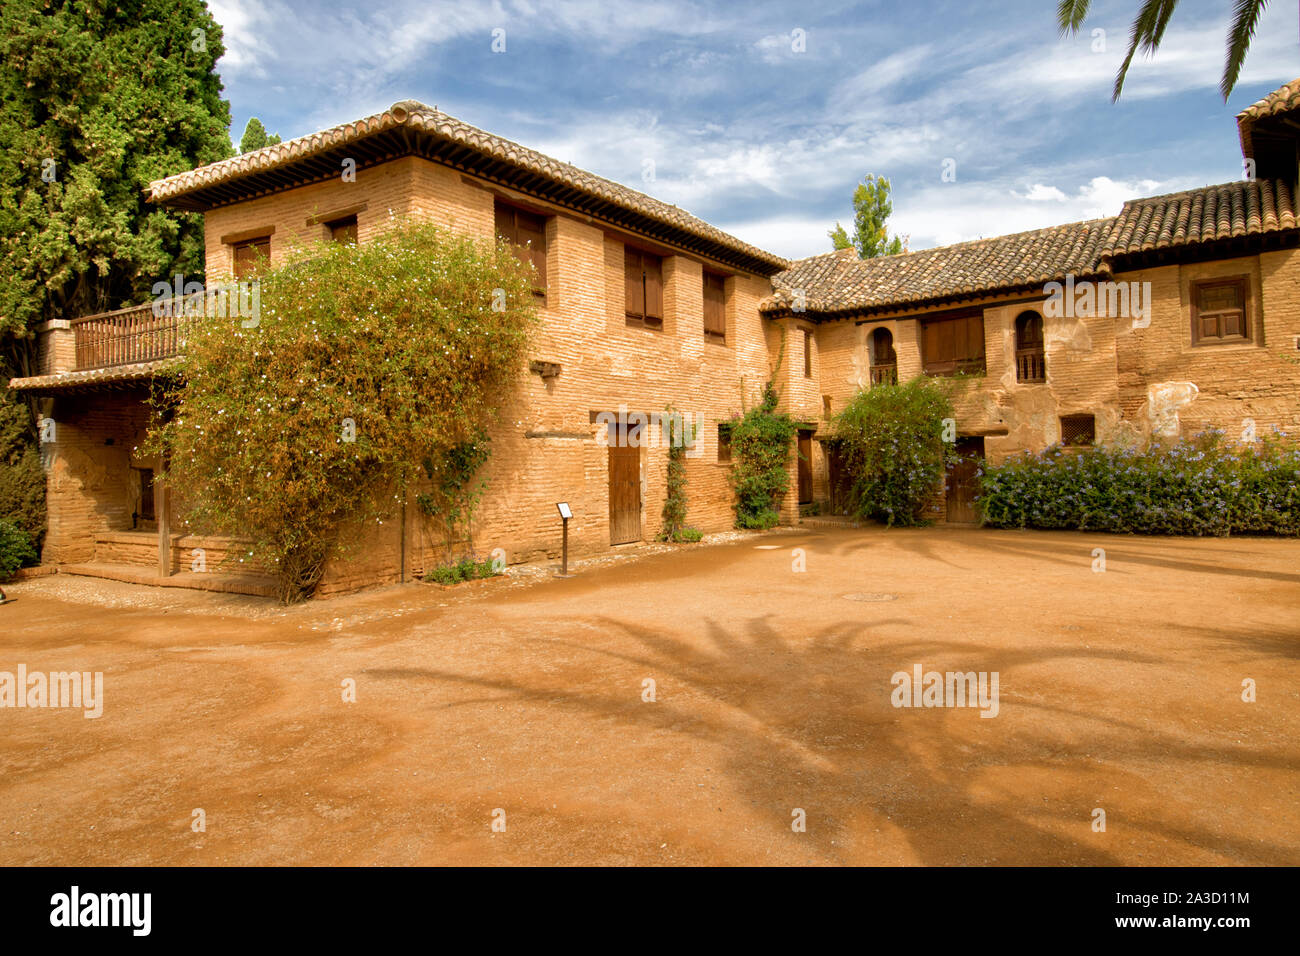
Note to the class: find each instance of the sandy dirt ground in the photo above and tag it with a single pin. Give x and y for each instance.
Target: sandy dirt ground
(1119, 690)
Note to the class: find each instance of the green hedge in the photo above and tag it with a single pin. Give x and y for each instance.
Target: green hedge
(16, 549)
(1201, 486)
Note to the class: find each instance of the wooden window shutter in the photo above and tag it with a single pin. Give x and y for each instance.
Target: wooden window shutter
(343, 230)
(715, 307)
(634, 283)
(1220, 311)
(249, 255)
(807, 353)
(505, 217)
(654, 289)
(530, 231)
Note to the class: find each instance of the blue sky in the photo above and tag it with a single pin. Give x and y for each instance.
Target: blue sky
(767, 141)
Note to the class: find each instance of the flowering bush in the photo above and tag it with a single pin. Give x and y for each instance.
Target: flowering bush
(368, 368)
(891, 438)
(1200, 486)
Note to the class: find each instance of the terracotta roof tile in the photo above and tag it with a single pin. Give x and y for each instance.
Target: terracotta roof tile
(1281, 100)
(835, 283)
(1230, 210)
(140, 371)
(433, 122)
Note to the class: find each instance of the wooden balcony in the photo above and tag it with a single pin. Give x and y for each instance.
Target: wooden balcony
(884, 375)
(128, 336)
(1030, 365)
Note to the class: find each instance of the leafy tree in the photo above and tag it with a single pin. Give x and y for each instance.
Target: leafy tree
(365, 362)
(96, 101)
(22, 480)
(871, 208)
(255, 136)
(1148, 30)
(100, 99)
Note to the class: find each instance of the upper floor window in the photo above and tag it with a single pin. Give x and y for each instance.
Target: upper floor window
(715, 308)
(643, 274)
(884, 360)
(1031, 366)
(343, 230)
(251, 254)
(526, 233)
(807, 353)
(953, 343)
(1219, 311)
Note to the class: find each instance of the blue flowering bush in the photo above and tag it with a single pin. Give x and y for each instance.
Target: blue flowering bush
(891, 440)
(1199, 486)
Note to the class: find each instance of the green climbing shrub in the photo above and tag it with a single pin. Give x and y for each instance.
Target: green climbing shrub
(760, 455)
(299, 428)
(674, 510)
(16, 549)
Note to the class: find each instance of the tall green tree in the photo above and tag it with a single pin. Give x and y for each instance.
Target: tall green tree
(96, 100)
(871, 208)
(255, 136)
(1148, 30)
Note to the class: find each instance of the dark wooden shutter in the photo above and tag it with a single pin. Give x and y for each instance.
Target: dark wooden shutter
(530, 234)
(250, 254)
(505, 217)
(1221, 310)
(715, 307)
(343, 230)
(634, 283)
(654, 289)
(952, 344)
(807, 353)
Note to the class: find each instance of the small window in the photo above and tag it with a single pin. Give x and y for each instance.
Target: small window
(526, 233)
(343, 230)
(1078, 430)
(884, 360)
(807, 353)
(826, 406)
(724, 443)
(1219, 312)
(1031, 366)
(251, 255)
(644, 283)
(715, 308)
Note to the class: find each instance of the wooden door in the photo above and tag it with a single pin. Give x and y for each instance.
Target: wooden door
(963, 481)
(624, 489)
(805, 468)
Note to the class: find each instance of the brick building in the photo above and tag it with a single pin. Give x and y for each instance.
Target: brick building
(1178, 314)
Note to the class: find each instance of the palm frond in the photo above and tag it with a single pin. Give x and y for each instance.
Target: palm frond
(1245, 19)
(1070, 15)
(1147, 31)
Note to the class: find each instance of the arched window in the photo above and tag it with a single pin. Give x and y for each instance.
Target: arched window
(884, 362)
(1031, 366)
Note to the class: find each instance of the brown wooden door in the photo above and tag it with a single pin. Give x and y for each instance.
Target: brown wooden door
(624, 490)
(805, 468)
(963, 481)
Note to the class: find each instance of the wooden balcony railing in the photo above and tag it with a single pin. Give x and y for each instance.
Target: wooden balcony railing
(1030, 365)
(884, 375)
(146, 333)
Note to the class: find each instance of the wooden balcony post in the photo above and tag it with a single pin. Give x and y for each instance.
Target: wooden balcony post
(163, 509)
